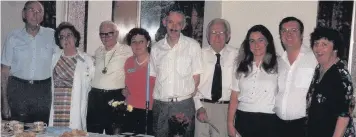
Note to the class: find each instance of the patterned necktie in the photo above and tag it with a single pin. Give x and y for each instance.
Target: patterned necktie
(217, 82)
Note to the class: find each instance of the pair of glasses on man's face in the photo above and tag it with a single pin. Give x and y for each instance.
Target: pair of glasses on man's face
(32, 10)
(108, 34)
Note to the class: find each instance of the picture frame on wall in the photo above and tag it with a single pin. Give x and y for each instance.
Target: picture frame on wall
(337, 15)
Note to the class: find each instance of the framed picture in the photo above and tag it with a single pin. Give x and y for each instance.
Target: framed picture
(152, 13)
(337, 15)
(49, 18)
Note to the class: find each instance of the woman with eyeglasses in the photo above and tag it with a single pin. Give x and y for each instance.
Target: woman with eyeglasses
(72, 71)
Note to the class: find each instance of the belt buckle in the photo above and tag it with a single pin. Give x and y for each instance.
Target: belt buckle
(31, 81)
(173, 99)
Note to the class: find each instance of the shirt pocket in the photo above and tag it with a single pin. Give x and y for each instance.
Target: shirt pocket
(184, 67)
(47, 51)
(21, 51)
(303, 77)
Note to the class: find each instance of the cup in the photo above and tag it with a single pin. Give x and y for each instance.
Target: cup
(12, 123)
(18, 128)
(39, 126)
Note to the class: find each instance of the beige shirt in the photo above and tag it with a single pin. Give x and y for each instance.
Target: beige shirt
(293, 84)
(227, 61)
(114, 60)
(174, 67)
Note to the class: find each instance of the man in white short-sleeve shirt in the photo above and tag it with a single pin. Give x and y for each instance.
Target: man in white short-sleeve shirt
(295, 72)
(177, 64)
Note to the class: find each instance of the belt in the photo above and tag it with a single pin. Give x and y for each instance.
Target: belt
(175, 99)
(215, 102)
(32, 81)
(300, 120)
(104, 90)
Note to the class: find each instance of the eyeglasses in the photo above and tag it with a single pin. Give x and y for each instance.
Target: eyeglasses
(108, 34)
(217, 32)
(292, 30)
(63, 37)
(34, 10)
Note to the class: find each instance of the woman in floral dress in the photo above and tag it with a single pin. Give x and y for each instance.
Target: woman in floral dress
(330, 95)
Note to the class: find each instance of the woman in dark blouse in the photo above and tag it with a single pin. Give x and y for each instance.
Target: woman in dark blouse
(329, 99)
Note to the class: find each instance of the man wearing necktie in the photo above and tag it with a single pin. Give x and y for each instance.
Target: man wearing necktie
(213, 97)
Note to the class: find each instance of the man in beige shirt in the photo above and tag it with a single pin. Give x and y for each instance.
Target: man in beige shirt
(109, 80)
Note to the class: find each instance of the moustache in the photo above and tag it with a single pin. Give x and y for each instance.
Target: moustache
(174, 30)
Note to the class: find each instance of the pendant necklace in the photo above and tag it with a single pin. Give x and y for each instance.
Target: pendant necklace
(105, 69)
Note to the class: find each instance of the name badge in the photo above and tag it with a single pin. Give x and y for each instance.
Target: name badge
(131, 70)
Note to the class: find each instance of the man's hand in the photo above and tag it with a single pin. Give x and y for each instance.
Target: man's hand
(201, 115)
(5, 109)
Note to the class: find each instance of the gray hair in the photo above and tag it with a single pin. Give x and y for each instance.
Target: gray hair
(216, 21)
(108, 22)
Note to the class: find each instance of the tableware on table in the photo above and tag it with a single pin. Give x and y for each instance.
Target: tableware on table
(18, 128)
(39, 126)
(11, 124)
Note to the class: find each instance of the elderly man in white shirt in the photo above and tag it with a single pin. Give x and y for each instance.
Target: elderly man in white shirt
(26, 68)
(109, 80)
(177, 64)
(214, 90)
(295, 73)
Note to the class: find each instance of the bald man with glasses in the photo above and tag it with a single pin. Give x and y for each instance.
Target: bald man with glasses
(109, 80)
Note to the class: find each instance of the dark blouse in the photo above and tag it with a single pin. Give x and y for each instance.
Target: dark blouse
(328, 99)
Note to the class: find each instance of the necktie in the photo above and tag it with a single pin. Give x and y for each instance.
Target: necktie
(217, 82)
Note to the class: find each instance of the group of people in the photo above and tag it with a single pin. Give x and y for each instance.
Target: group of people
(222, 91)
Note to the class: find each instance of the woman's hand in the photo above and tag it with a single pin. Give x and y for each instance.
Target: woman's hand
(125, 92)
(232, 131)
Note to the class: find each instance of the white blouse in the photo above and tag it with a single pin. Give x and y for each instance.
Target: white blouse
(257, 90)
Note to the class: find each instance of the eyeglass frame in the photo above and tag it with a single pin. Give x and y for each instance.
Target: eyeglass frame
(107, 34)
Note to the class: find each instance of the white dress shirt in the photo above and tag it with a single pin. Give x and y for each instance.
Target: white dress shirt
(257, 90)
(227, 61)
(114, 60)
(29, 57)
(293, 84)
(174, 68)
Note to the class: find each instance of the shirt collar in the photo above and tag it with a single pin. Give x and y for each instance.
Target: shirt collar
(222, 52)
(180, 40)
(40, 32)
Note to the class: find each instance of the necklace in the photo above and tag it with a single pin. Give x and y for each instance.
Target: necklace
(322, 70)
(105, 69)
(141, 62)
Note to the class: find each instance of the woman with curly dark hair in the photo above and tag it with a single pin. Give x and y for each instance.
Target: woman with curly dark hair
(330, 96)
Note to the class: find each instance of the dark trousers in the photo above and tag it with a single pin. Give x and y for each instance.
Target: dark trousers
(100, 114)
(162, 112)
(136, 122)
(292, 128)
(29, 102)
(251, 124)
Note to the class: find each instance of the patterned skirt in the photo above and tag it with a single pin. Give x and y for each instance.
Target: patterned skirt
(62, 103)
